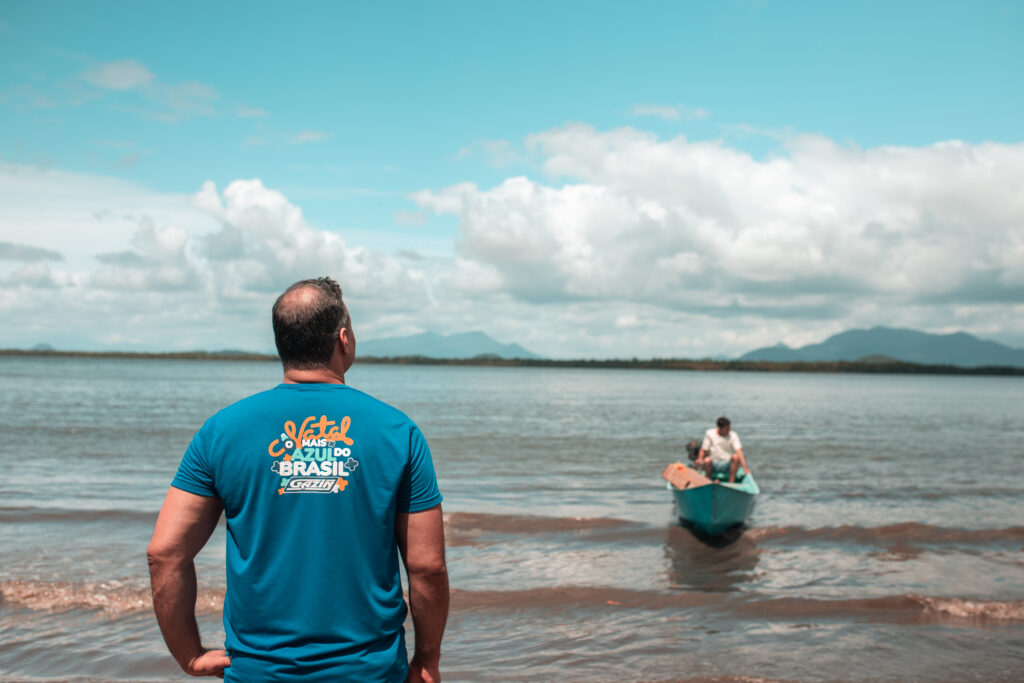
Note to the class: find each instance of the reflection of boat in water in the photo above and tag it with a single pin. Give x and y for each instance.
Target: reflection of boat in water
(710, 563)
(711, 507)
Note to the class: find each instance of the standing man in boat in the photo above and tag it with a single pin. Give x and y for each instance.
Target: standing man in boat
(323, 488)
(722, 451)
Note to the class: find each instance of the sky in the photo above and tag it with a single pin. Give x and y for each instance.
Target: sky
(586, 179)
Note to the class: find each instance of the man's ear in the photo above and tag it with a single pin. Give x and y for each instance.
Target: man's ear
(345, 338)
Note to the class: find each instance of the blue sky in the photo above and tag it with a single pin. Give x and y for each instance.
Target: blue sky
(400, 129)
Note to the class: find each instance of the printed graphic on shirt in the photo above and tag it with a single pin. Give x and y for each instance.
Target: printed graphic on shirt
(315, 457)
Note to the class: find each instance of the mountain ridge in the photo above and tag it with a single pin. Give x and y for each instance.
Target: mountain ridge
(461, 345)
(912, 346)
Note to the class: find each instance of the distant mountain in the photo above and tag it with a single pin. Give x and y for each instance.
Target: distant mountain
(912, 346)
(433, 345)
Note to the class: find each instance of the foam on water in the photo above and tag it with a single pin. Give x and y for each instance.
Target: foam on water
(111, 597)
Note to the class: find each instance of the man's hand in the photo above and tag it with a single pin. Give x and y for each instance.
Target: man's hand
(421, 673)
(209, 663)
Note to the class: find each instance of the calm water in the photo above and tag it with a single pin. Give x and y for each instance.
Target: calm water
(888, 543)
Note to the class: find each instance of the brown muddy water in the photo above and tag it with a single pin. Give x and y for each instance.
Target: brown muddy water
(888, 542)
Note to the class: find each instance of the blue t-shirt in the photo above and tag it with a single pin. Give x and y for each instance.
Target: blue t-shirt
(311, 477)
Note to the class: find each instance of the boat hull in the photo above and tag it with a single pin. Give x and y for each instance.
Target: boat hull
(713, 508)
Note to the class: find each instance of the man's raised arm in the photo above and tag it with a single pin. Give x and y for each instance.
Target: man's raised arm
(421, 542)
(182, 529)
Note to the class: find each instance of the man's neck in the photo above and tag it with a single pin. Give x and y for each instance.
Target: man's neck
(313, 376)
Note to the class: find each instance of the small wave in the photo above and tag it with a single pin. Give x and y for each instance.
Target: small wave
(528, 524)
(908, 608)
(473, 529)
(921, 493)
(907, 532)
(37, 514)
(975, 609)
(111, 597)
(723, 679)
(559, 597)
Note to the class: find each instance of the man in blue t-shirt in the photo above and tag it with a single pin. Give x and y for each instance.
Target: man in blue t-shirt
(322, 488)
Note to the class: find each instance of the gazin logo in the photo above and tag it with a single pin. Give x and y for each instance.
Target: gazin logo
(315, 485)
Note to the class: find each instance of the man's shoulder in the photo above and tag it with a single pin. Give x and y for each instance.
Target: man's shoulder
(381, 408)
(242, 405)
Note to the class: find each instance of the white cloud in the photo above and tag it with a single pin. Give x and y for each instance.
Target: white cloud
(32, 275)
(244, 112)
(122, 74)
(414, 218)
(628, 245)
(190, 97)
(302, 137)
(173, 101)
(157, 262)
(821, 232)
(496, 153)
(174, 271)
(670, 112)
(10, 251)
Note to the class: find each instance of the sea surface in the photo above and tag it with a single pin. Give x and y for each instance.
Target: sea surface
(888, 542)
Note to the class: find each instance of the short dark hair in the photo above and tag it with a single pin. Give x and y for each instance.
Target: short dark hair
(723, 421)
(307, 319)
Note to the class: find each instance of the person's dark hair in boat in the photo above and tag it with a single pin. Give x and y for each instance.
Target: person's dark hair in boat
(722, 452)
(693, 450)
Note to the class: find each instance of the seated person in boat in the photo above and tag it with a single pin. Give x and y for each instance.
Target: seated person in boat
(721, 451)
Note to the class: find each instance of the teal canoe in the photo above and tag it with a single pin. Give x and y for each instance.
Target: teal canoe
(713, 508)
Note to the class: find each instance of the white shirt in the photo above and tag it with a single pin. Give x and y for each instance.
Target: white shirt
(721, 448)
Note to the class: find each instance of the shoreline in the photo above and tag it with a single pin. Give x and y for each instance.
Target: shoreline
(829, 367)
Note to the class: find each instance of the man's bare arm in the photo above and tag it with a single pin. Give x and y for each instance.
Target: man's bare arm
(421, 542)
(743, 460)
(182, 529)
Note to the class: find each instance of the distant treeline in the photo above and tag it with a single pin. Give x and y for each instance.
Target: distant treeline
(171, 355)
(863, 367)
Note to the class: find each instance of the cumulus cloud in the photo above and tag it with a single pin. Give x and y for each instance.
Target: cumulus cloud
(158, 261)
(821, 234)
(702, 226)
(626, 245)
(264, 244)
(186, 272)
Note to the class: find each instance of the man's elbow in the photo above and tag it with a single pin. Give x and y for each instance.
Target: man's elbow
(160, 555)
(426, 568)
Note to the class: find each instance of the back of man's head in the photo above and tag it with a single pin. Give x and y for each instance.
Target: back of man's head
(307, 319)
